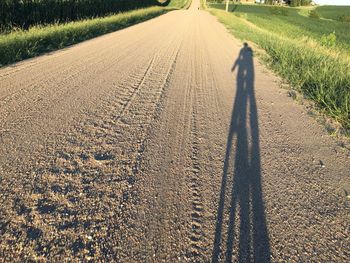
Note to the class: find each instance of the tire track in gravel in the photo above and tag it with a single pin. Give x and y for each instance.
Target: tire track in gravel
(197, 234)
(26, 105)
(153, 222)
(137, 86)
(39, 79)
(136, 243)
(196, 174)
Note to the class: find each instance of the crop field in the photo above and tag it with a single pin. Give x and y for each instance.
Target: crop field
(307, 48)
(24, 14)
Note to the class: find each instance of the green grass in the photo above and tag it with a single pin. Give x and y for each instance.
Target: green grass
(22, 44)
(293, 43)
(333, 12)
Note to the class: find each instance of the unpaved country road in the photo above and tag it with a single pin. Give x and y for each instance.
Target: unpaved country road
(143, 146)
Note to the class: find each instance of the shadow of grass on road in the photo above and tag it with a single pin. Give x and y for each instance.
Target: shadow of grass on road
(245, 233)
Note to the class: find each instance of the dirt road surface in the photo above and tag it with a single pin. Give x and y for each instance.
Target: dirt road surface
(165, 142)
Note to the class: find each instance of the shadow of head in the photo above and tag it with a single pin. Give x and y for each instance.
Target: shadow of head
(247, 48)
(244, 63)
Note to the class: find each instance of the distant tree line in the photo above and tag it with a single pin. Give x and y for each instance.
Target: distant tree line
(25, 13)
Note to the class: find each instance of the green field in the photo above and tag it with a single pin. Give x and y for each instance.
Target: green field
(313, 54)
(295, 22)
(333, 12)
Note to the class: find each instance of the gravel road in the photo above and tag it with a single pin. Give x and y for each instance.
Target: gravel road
(165, 142)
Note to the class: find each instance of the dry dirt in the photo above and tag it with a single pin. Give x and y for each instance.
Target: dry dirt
(143, 146)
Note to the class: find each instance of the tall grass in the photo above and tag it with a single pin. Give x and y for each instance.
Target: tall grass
(322, 74)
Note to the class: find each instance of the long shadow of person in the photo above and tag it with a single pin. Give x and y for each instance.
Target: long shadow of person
(246, 205)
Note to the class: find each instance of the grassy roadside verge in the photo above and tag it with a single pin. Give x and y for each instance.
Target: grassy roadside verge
(20, 45)
(321, 74)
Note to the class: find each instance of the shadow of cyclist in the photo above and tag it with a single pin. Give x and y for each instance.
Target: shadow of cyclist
(246, 228)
